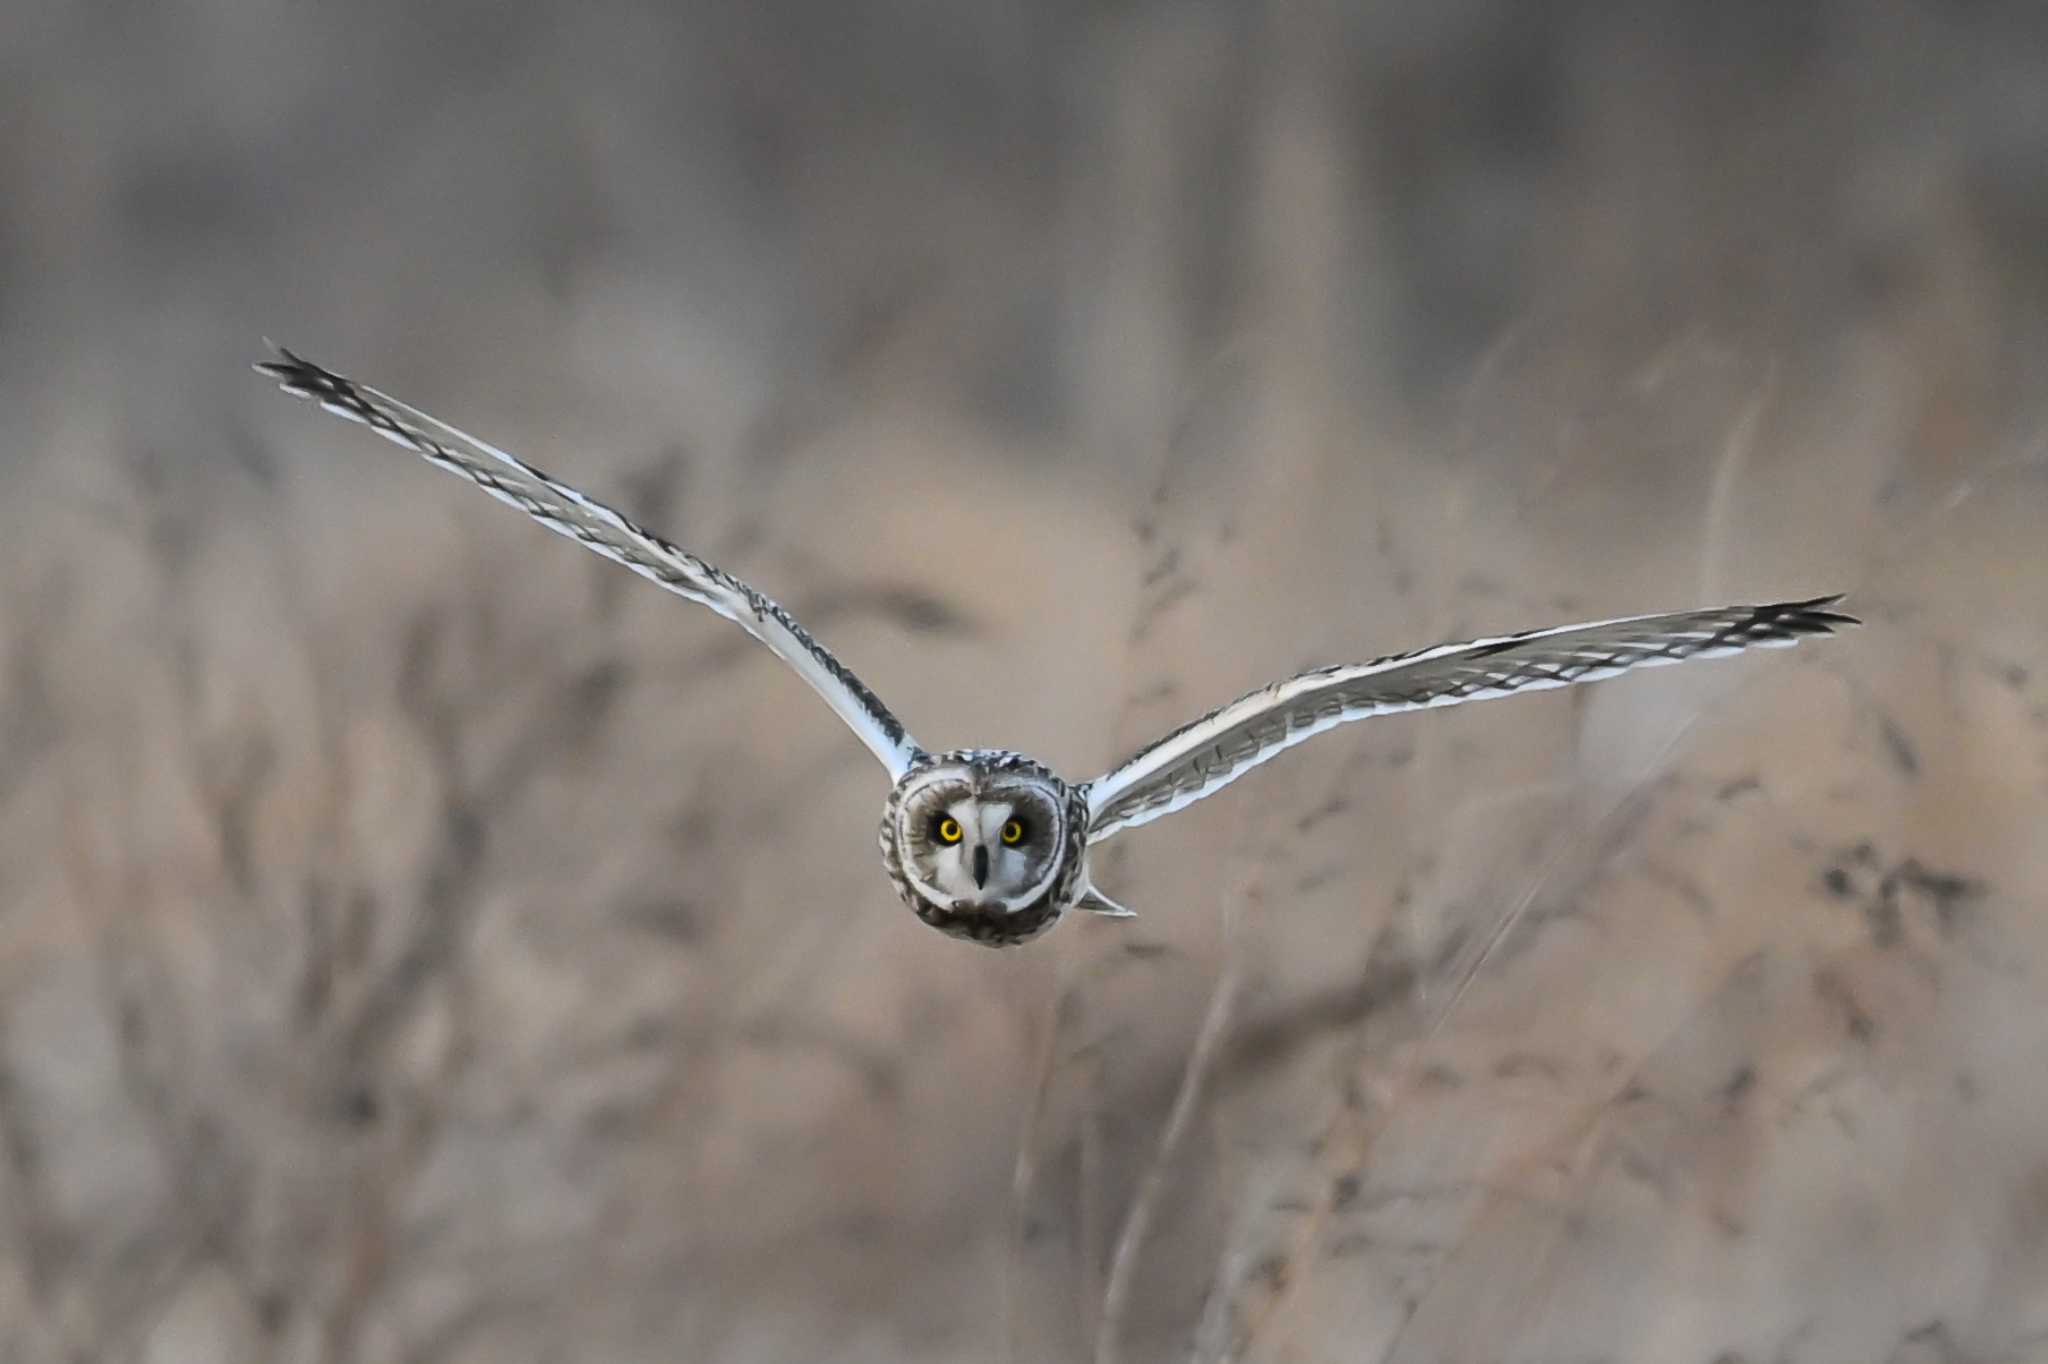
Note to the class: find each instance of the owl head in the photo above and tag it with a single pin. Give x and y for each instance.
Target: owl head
(984, 844)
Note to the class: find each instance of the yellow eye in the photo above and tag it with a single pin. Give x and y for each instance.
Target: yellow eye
(1013, 832)
(949, 831)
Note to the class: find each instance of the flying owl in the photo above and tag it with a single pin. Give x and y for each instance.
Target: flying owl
(988, 845)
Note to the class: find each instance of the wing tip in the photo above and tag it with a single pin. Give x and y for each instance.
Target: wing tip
(1813, 616)
(299, 376)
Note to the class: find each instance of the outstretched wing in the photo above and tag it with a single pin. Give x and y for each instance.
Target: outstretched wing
(1207, 755)
(564, 510)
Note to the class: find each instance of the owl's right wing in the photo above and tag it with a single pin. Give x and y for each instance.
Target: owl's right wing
(567, 512)
(1207, 755)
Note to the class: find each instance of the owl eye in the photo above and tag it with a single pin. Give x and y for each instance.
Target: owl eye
(1013, 832)
(948, 830)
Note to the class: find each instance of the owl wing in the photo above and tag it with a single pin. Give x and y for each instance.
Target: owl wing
(564, 510)
(1203, 757)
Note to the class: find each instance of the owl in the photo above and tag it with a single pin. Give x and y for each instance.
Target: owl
(989, 846)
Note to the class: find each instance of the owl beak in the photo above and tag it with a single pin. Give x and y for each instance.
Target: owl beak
(981, 867)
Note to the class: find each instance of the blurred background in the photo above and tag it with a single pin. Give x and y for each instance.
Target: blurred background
(422, 941)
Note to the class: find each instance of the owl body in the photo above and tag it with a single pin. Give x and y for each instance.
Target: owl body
(988, 845)
(981, 795)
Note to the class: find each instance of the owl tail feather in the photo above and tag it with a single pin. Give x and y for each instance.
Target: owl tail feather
(1095, 902)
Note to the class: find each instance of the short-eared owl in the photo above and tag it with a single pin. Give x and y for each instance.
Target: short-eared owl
(987, 845)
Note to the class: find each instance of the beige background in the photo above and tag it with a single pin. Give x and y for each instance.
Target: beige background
(422, 941)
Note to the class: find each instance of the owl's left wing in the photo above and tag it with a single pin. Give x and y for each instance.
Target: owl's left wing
(1207, 755)
(567, 512)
